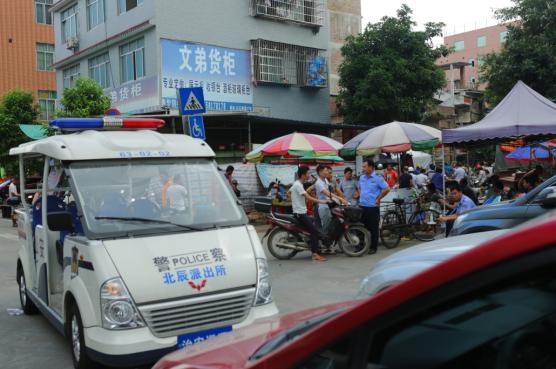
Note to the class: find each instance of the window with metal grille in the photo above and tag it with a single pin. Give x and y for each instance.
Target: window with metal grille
(285, 64)
(42, 11)
(47, 104)
(70, 75)
(99, 69)
(45, 56)
(309, 12)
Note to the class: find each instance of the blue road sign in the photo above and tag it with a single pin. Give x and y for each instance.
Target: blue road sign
(192, 101)
(197, 127)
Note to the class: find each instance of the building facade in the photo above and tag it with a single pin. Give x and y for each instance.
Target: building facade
(461, 99)
(469, 49)
(345, 20)
(263, 64)
(27, 51)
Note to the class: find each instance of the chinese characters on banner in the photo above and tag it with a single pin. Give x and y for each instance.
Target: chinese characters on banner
(224, 74)
(135, 97)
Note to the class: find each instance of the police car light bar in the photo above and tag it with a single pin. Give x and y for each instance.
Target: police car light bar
(107, 123)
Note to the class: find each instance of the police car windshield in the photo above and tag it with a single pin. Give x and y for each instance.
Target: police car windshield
(174, 193)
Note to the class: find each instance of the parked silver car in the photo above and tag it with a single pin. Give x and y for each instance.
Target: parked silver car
(408, 262)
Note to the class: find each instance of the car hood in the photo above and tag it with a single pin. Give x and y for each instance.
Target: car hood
(497, 206)
(233, 350)
(184, 265)
(437, 251)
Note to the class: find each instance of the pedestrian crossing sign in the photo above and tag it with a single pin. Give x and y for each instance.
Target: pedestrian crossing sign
(192, 101)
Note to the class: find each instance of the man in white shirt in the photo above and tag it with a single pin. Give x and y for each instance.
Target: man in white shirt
(459, 173)
(177, 194)
(421, 179)
(299, 197)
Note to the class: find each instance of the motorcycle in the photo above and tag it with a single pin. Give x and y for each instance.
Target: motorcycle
(287, 236)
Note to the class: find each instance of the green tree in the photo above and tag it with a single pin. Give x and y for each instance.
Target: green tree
(84, 100)
(16, 107)
(529, 52)
(389, 71)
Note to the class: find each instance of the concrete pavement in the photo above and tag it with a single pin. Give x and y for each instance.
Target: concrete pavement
(31, 342)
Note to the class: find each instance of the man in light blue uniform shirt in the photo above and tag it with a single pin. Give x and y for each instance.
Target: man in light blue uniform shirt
(372, 189)
(464, 204)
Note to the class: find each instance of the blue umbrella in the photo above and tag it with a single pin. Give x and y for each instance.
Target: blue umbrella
(542, 151)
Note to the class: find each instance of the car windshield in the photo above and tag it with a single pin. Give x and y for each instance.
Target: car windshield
(120, 198)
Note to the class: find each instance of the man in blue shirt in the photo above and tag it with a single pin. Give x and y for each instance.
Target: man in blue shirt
(438, 180)
(464, 203)
(372, 189)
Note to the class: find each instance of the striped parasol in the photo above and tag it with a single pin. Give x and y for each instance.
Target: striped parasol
(295, 145)
(392, 137)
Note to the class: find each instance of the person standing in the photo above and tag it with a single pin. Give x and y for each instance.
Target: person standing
(373, 188)
(459, 173)
(349, 187)
(438, 180)
(380, 170)
(391, 176)
(14, 199)
(421, 179)
(177, 194)
(299, 196)
(323, 194)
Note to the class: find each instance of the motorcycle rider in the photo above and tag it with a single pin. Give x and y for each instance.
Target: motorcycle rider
(298, 197)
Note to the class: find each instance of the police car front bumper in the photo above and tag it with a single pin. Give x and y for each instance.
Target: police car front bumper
(124, 348)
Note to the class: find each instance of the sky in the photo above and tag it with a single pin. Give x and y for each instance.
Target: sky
(459, 16)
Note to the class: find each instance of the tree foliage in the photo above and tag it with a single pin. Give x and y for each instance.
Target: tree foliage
(16, 107)
(529, 53)
(389, 71)
(84, 100)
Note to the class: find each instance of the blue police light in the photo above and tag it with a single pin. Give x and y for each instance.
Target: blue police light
(77, 123)
(111, 122)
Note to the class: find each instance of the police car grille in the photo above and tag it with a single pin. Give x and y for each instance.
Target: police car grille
(168, 319)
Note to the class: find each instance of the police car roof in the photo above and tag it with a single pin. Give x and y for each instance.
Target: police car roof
(93, 145)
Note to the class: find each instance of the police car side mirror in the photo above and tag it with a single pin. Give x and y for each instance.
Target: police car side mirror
(60, 221)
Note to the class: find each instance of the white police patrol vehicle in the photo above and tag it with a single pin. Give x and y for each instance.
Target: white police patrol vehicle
(135, 245)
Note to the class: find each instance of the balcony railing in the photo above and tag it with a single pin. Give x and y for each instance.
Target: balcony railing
(285, 64)
(306, 12)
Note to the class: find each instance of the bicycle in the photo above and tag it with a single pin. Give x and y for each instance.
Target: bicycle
(423, 223)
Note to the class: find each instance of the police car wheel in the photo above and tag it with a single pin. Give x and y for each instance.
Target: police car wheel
(77, 341)
(27, 305)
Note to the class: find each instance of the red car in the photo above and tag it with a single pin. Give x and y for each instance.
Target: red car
(491, 307)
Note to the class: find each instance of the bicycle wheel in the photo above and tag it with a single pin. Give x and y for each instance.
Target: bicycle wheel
(390, 228)
(425, 225)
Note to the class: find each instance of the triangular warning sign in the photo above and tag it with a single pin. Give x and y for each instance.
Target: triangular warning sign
(193, 103)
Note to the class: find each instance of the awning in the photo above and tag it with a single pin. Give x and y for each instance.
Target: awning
(523, 112)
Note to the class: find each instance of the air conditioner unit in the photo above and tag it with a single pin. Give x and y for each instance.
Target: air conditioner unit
(72, 43)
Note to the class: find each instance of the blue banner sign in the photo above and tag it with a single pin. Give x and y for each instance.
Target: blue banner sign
(223, 73)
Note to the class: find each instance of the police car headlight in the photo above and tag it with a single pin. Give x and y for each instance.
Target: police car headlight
(117, 308)
(264, 287)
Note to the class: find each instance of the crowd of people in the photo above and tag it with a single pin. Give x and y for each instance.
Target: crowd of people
(456, 187)
(367, 192)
